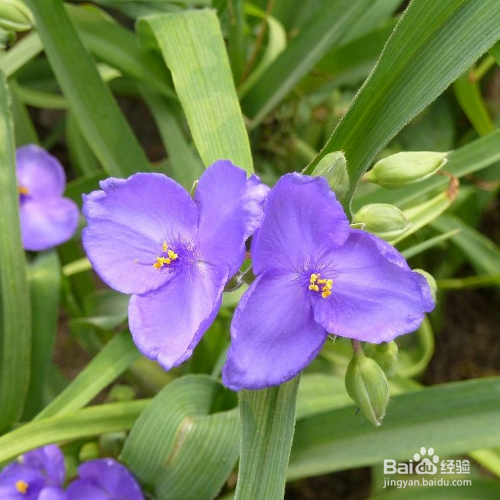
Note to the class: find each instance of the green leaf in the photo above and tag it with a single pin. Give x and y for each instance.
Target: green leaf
(45, 287)
(469, 97)
(183, 430)
(423, 214)
(119, 47)
(481, 281)
(455, 418)
(192, 45)
(409, 76)
(275, 46)
(81, 156)
(185, 165)
(97, 113)
(107, 366)
(302, 53)
(83, 185)
(15, 321)
(23, 52)
(268, 421)
(481, 252)
(419, 248)
(89, 422)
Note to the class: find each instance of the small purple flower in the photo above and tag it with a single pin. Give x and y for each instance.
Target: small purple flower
(37, 475)
(104, 479)
(316, 275)
(146, 236)
(47, 219)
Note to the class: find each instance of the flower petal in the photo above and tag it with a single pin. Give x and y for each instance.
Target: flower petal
(86, 489)
(52, 493)
(110, 476)
(48, 222)
(48, 459)
(39, 172)
(231, 208)
(302, 220)
(375, 297)
(127, 223)
(273, 334)
(168, 323)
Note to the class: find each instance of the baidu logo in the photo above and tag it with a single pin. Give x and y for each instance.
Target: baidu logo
(427, 461)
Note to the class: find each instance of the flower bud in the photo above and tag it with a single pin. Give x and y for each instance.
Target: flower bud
(386, 356)
(89, 451)
(121, 392)
(382, 219)
(405, 168)
(15, 16)
(430, 279)
(367, 385)
(333, 167)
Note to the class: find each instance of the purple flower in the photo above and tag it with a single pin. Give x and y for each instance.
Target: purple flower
(146, 236)
(37, 475)
(315, 275)
(104, 479)
(47, 219)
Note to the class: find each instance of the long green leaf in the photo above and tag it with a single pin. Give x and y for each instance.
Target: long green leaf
(184, 429)
(481, 252)
(45, 284)
(471, 101)
(185, 165)
(192, 45)
(120, 48)
(453, 418)
(91, 421)
(15, 329)
(268, 418)
(109, 364)
(98, 116)
(446, 38)
(302, 53)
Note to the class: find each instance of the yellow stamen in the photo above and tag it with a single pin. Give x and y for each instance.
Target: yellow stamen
(22, 487)
(322, 285)
(165, 261)
(23, 190)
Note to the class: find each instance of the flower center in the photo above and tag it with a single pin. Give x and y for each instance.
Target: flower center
(317, 284)
(22, 487)
(165, 258)
(23, 190)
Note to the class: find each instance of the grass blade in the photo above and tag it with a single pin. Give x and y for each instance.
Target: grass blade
(89, 422)
(454, 418)
(409, 76)
(45, 285)
(268, 422)
(15, 321)
(302, 53)
(192, 45)
(97, 113)
(109, 364)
